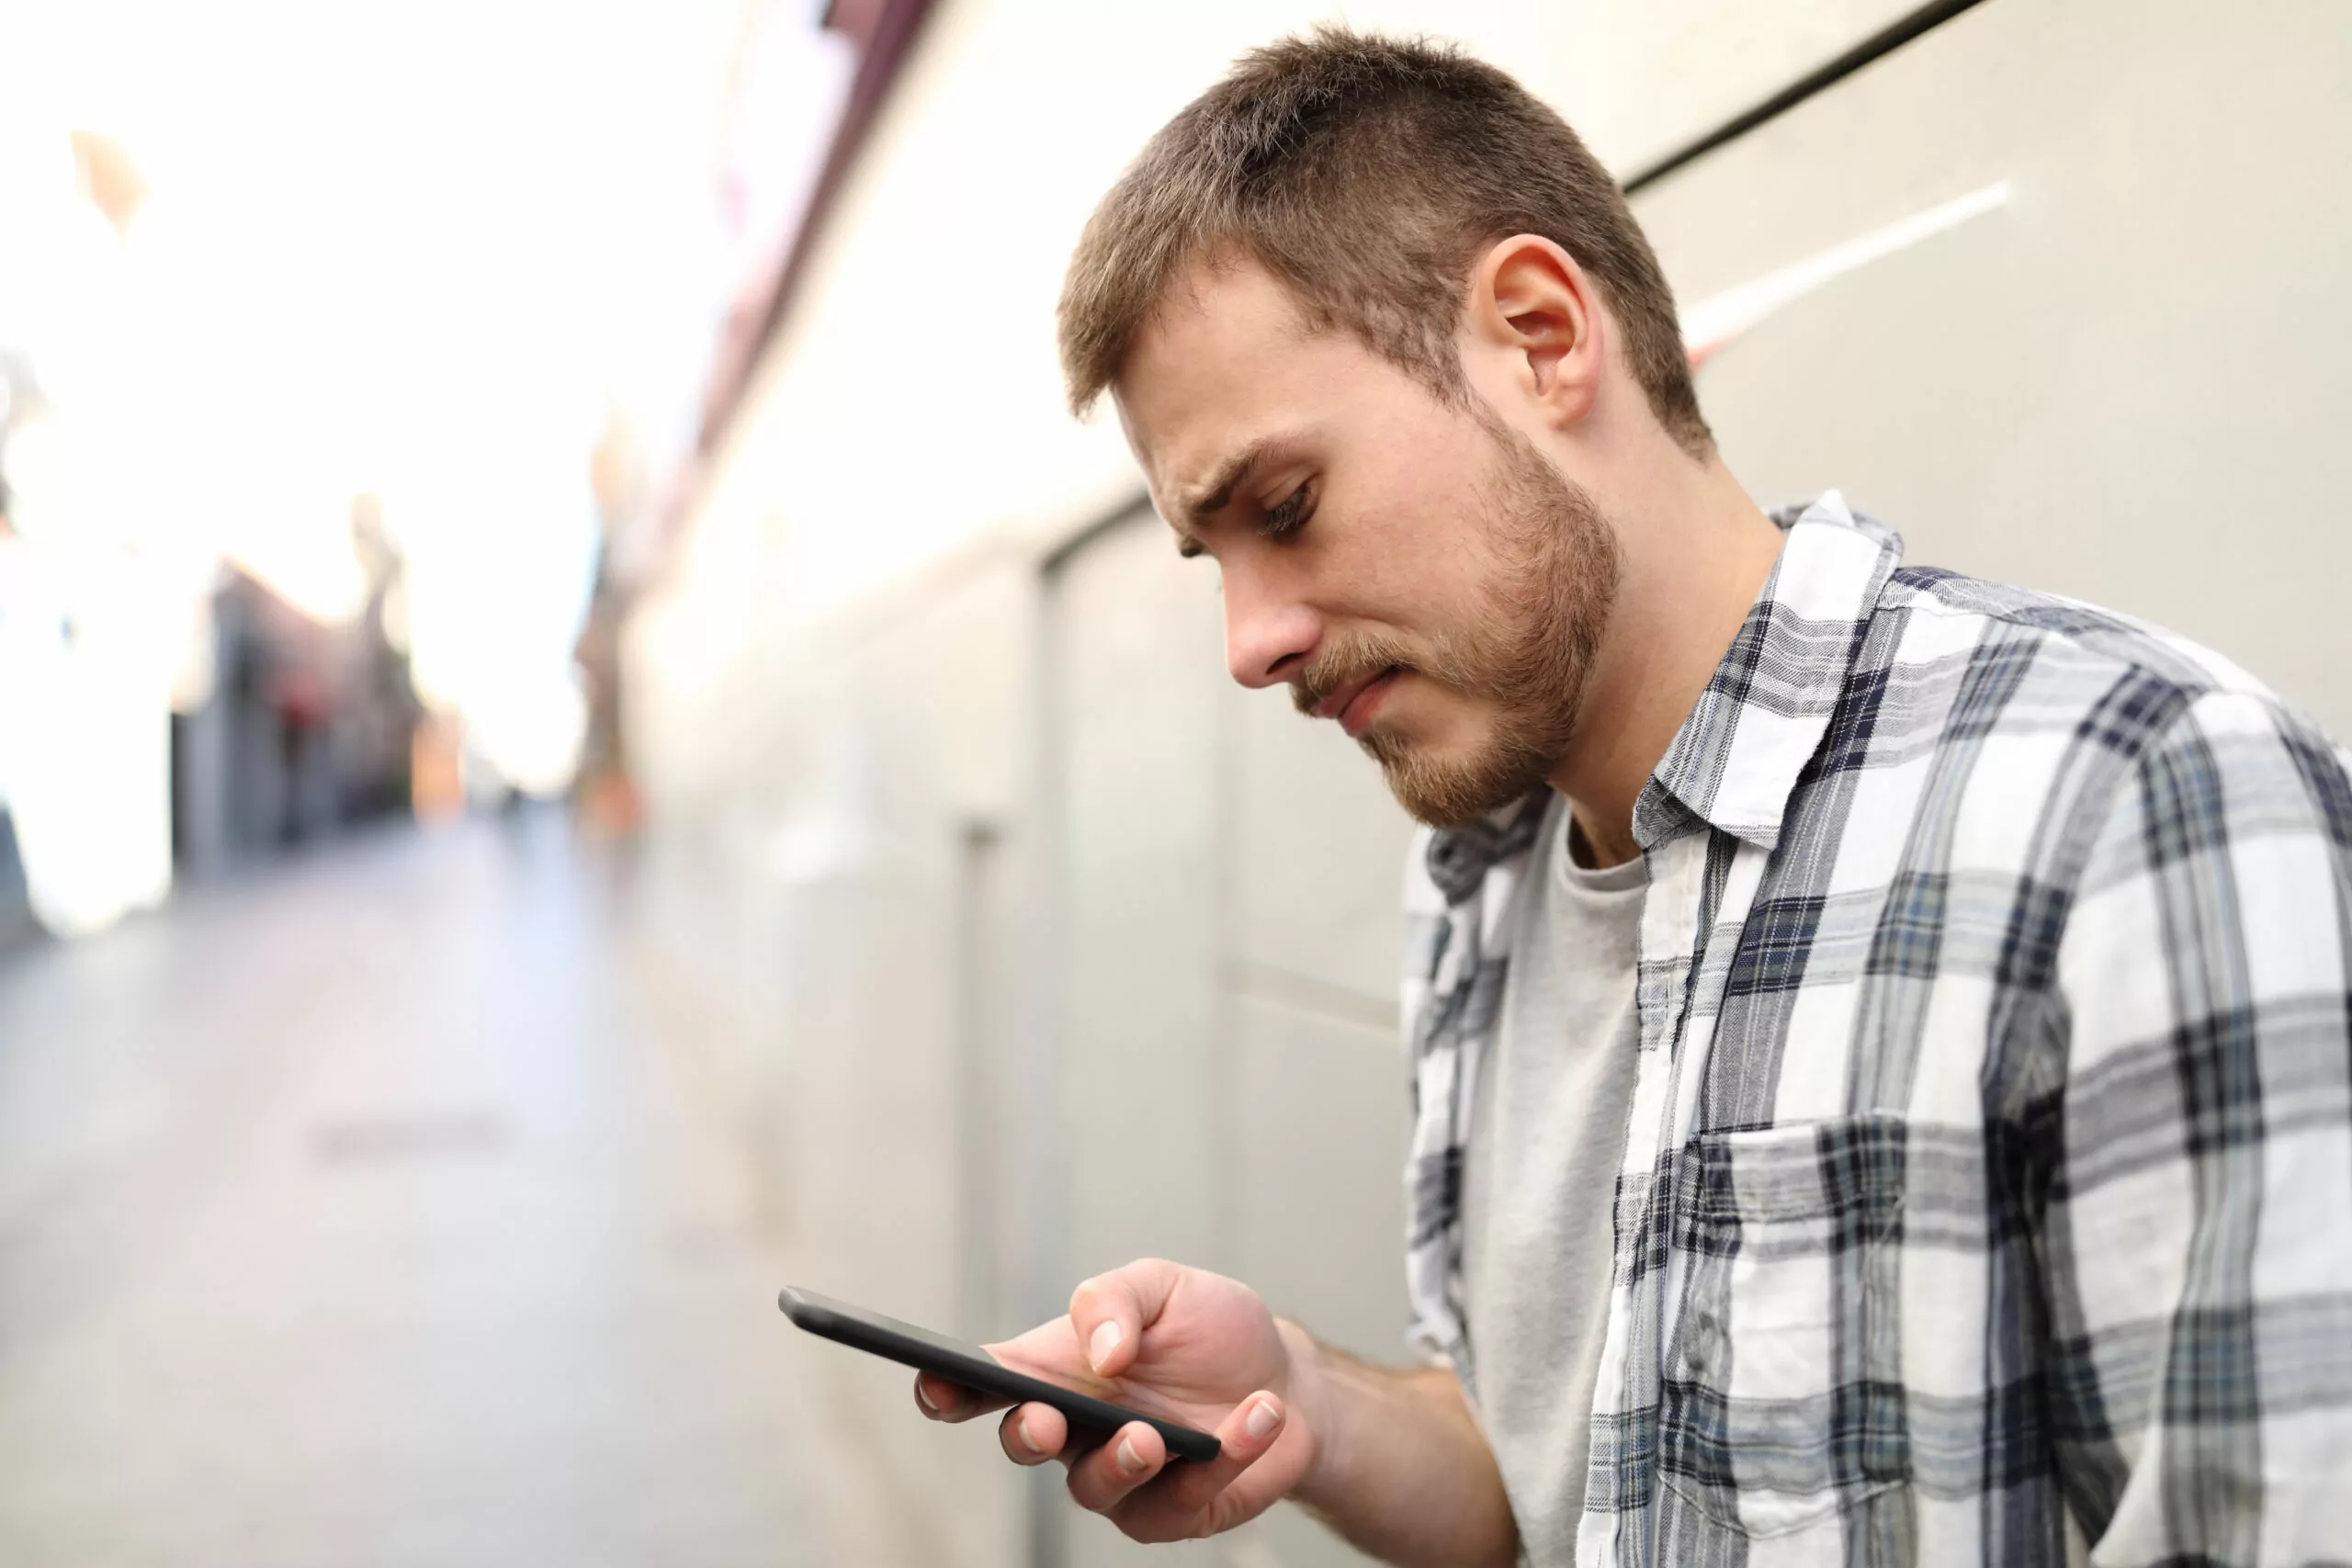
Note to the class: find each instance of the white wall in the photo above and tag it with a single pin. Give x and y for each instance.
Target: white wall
(912, 400)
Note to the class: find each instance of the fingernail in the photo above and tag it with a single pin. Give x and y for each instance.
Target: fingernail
(1098, 1349)
(1263, 1418)
(1129, 1460)
(924, 1400)
(1020, 1431)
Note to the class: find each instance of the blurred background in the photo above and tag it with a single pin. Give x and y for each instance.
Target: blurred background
(581, 736)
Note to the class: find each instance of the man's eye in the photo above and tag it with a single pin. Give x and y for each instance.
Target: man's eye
(1283, 518)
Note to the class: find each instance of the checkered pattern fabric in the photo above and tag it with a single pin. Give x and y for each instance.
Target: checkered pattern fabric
(1987, 1194)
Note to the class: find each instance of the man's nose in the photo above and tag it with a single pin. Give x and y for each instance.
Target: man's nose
(1266, 636)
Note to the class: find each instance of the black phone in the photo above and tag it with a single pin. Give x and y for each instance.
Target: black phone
(968, 1366)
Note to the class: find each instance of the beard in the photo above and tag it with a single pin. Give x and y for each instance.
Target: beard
(1528, 650)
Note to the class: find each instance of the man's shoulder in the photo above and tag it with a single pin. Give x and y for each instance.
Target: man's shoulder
(2009, 659)
(2024, 708)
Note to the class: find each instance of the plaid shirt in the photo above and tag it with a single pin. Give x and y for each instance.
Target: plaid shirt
(1987, 1194)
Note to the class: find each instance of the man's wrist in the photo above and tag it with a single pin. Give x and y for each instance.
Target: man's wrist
(1310, 1395)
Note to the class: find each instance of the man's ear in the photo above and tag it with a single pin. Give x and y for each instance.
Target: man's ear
(1534, 306)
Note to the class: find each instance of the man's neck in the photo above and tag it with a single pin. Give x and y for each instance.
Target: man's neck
(1696, 551)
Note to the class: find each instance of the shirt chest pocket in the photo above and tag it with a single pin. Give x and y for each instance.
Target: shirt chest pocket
(1784, 1402)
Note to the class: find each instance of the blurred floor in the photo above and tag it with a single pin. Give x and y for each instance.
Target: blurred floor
(367, 1213)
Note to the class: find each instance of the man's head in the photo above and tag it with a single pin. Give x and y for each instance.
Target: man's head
(1358, 305)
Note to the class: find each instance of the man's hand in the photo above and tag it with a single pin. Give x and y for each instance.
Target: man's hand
(1183, 1344)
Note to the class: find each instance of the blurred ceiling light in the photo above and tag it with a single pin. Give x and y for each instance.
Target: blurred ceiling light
(436, 249)
(109, 177)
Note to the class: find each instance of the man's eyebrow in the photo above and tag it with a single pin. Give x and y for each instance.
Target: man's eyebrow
(1214, 493)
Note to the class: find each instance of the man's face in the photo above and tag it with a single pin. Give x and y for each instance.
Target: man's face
(1421, 574)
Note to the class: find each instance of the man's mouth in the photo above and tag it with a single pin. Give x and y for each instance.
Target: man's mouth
(1355, 703)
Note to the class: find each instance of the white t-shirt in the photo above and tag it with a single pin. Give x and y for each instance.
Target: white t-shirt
(1547, 1133)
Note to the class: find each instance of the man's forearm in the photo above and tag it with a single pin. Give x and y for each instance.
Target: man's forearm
(1401, 1469)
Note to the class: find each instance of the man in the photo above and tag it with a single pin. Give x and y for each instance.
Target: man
(1880, 1039)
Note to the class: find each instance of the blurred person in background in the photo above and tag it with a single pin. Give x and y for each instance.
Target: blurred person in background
(15, 907)
(1879, 1052)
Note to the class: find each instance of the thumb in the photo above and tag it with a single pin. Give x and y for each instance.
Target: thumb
(1250, 1429)
(1111, 1312)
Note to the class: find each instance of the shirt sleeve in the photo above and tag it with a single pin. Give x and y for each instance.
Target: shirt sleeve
(2198, 1232)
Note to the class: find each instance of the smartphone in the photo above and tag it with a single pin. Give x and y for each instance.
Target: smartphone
(968, 1366)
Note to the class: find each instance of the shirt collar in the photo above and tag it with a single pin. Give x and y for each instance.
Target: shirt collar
(1734, 761)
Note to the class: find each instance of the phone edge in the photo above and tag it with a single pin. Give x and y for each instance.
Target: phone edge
(814, 1317)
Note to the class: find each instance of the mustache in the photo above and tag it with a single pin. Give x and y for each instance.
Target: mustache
(1341, 661)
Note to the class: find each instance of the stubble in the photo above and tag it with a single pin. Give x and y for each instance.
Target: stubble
(1529, 651)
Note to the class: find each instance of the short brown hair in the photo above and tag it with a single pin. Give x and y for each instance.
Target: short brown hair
(1367, 174)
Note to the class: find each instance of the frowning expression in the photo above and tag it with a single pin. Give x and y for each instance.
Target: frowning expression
(1412, 571)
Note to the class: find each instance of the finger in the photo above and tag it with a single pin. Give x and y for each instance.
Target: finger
(1246, 1432)
(1102, 1479)
(1110, 1310)
(943, 1400)
(1031, 1434)
(1051, 1351)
